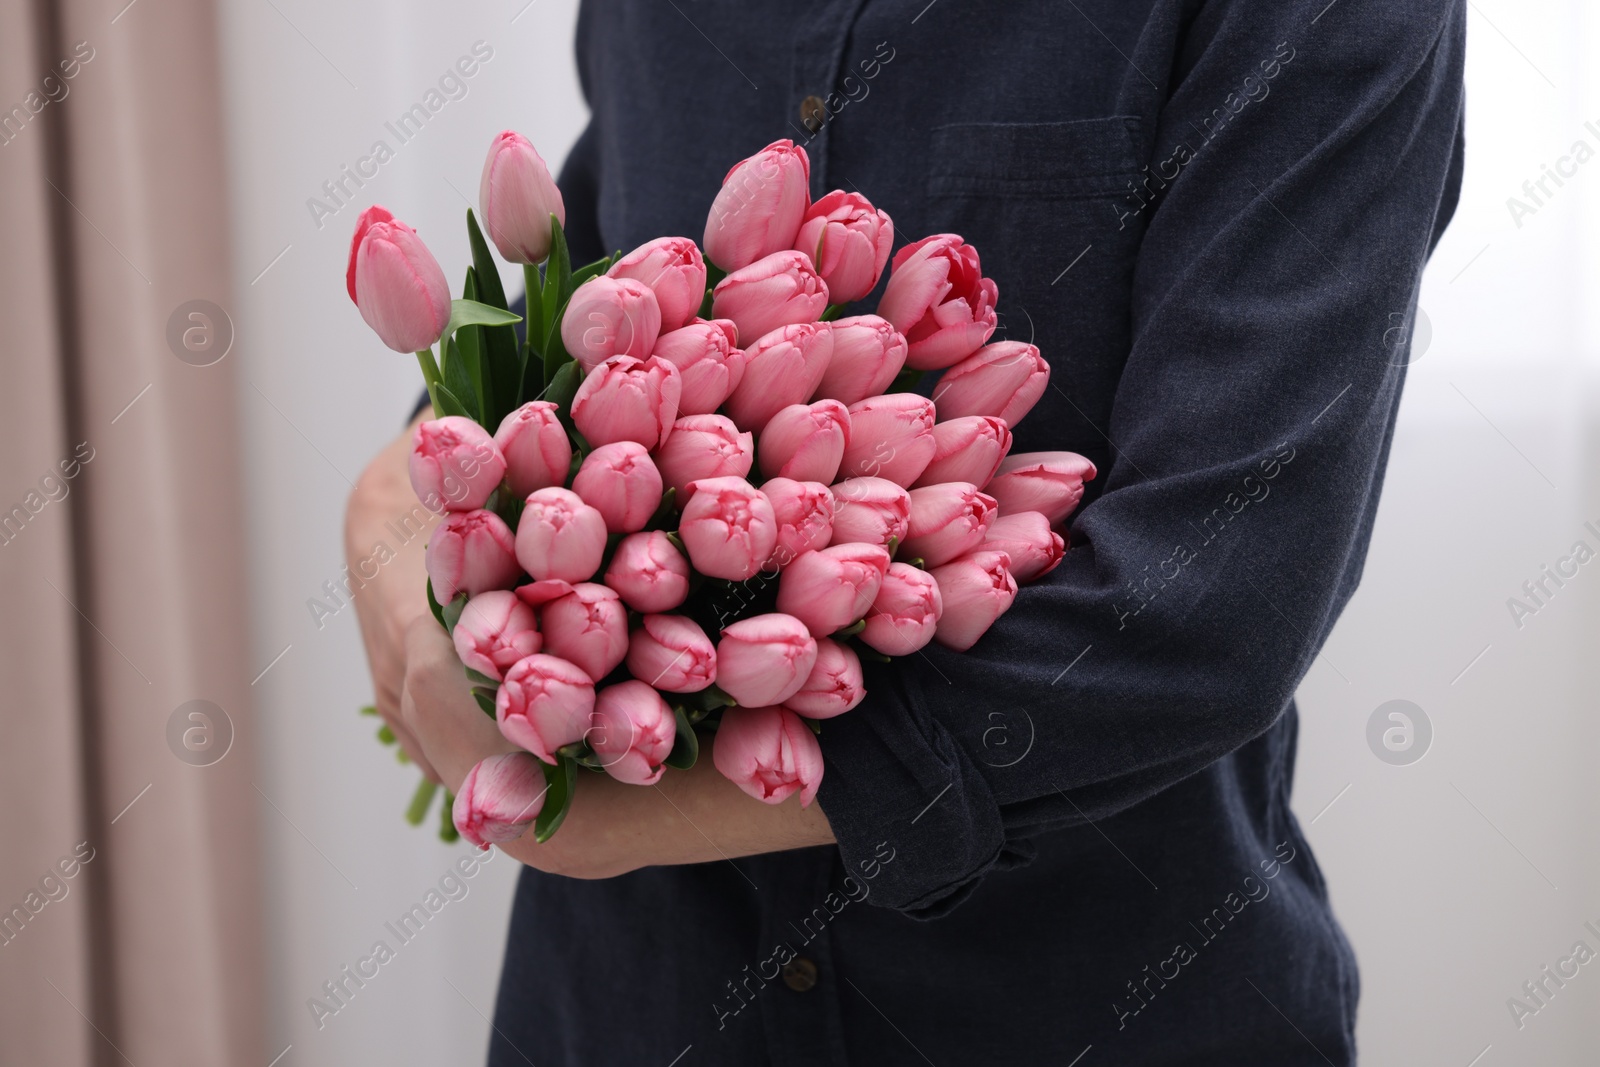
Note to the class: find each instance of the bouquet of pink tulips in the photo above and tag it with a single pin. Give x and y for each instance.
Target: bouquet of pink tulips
(691, 497)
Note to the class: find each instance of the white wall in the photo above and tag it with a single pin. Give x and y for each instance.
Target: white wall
(1458, 877)
(319, 398)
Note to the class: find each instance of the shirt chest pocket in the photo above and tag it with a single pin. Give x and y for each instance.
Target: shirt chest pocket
(1048, 207)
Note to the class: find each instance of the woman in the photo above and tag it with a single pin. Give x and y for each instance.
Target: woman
(1209, 215)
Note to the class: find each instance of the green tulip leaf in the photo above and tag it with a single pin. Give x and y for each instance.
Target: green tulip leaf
(452, 612)
(435, 607)
(458, 379)
(465, 312)
(502, 362)
(447, 822)
(561, 780)
(686, 745)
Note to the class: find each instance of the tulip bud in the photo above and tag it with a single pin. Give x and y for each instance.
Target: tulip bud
(649, 573)
(704, 353)
(780, 290)
(610, 317)
(627, 399)
(494, 631)
(674, 271)
(673, 654)
(906, 612)
(470, 552)
(804, 511)
(703, 446)
(1004, 380)
(976, 589)
(728, 528)
(499, 798)
(544, 703)
(621, 482)
(1027, 538)
(891, 437)
(454, 464)
(770, 753)
(535, 446)
(633, 732)
(867, 356)
(848, 240)
(834, 686)
(559, 536)
(517, 197)
(758, 210)
(968, 449)
(396, 283)
(947, 521)
(832, 588)
(938, 297)
(805, 441)
(1047, 482)
(765, 659)
(872, 511)
(587, 627)
(781, 368)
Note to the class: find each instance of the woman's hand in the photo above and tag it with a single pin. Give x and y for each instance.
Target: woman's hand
(387, 603)
(690, 816)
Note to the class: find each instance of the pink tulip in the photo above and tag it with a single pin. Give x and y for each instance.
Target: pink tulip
(517, 197)
(765, 659)
(610, 317)
(499, 798)
(873, 511)
(781, 368)
(674, 271)
(587, 627)
(805, 441)
(834, 686)
(1027, 538)
(891, 436)
(621, 482)
(704, 353)
(906, 612)
(544, 703)
(1004, 380)
(804, 511)
(494, 631)
(704, 446)
(396, 283)
(649, 573)
(728, 528)
(633, 732)
(867, 355)
(849, 240)
(938, 297)
(968, 449)
(832, 588)
(673, 654)
(535, 446)
(976, 589)
(470, 552)
(454, 463)
(779, 290)
(758, 210)
(947, 520)
(1047, 482)
(559, 536)
(627, 399)
(770, 753)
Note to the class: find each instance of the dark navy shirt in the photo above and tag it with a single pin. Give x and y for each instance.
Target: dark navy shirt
(1072, 844)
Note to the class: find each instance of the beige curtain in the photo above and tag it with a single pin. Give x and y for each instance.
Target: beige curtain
(129, 890)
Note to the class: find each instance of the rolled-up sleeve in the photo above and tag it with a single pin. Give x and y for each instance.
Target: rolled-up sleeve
(1249, 431)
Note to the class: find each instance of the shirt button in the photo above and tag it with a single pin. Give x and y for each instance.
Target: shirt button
(812, 113)
(800, 974)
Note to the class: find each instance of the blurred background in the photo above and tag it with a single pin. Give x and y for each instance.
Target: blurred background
(191, 395)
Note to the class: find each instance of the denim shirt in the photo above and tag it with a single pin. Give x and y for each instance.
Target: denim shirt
(1075, 839)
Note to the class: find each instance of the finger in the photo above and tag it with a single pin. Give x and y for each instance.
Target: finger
(389, 708)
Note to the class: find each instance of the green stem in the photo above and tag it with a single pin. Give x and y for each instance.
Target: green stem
(430, 368)
(421, 800)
